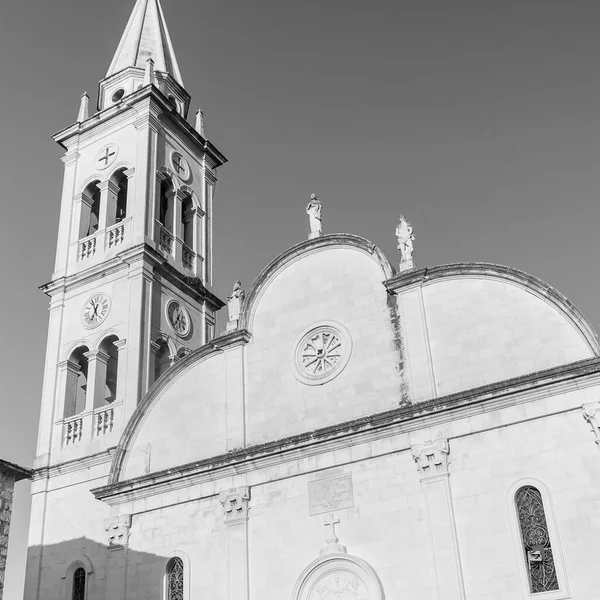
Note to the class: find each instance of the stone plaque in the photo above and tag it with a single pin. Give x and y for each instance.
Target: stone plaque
(333, 493)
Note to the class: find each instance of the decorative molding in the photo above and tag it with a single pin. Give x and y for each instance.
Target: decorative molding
(432, 457)
(292, 254)
(117, 531)
(389, 424)
(591, 413)
(235, 505)
(521, 279)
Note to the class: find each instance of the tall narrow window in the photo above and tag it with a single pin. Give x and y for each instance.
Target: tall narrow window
(536, 540)
(79, 584)
(123, 183)
(165, 205)
(175, 579)
(90, 210)
(76, 384)
(162, 359)
(187, 221)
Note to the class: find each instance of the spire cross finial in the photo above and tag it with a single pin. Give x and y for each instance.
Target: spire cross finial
(331, 521)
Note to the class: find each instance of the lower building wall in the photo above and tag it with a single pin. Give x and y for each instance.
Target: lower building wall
(432, 520)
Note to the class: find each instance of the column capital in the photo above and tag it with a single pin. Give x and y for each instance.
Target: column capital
(154, 347)
(98, 355)
(129, 173)
(117, 531)
(432, 457)
(235, 505)
(120, 344)
(108, 185)
(69, 365)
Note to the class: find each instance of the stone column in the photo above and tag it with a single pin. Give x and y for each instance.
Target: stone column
(96, 379)
(432, 461)
(67, 390)
(235, 512)
(177, 203)
(121, 368)
(108, 204)
(82, 207)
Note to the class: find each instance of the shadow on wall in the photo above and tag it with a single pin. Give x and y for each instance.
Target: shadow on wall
(82, 569)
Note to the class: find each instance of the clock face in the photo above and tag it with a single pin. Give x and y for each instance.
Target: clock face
(178, 318)
(95, 310)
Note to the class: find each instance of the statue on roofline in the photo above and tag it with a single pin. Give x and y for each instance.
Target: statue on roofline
(314, 210)
(404, 233)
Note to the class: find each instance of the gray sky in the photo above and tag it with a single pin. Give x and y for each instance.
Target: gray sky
(477, 119)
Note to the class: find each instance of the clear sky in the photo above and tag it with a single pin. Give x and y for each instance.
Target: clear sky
(478, 119)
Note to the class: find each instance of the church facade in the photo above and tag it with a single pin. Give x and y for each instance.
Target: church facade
(357, 433)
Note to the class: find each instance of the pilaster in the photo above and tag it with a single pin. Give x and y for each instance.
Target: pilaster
(235, 515)
(97, 364)
(432, 462)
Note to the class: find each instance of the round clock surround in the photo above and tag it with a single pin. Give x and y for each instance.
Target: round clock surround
(178, 317)
(95, 310)
(321, 353)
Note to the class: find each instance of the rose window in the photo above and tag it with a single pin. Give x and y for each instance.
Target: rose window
(321, 353)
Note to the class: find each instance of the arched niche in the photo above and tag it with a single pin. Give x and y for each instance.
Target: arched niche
(338, 576)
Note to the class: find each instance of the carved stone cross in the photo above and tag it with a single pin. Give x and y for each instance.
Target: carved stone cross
(178, 164)
(331, 537)
(331, 521)
(106, 157)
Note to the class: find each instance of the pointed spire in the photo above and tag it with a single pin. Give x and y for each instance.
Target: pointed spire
(84, 108)
(200, 122)
(149, 73)
(146, 36)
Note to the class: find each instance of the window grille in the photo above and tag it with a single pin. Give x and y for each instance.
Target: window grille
(175, 579)
(536, 540)
(79, 584)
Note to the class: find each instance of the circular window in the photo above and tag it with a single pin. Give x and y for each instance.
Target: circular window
(180, 166)
(321, 353)
(118, 95)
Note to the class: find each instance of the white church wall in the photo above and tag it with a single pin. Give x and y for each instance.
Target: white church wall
(186, 423)
(482, 331)
(336, 284)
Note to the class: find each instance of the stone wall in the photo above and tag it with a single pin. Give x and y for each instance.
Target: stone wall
(7, 484)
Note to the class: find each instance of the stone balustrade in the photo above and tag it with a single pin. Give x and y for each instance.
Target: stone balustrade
(103, 421)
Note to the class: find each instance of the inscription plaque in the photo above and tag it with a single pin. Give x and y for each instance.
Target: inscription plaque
(333, 493)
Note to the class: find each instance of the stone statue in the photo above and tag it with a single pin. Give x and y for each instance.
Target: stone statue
(234, 305)
(313, 210)
(404, 233)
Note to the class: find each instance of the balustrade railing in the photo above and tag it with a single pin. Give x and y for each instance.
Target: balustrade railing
(87, 248)
(187, 257)
(73, 430)
(115, 235)
(166, 241)
(103, 421)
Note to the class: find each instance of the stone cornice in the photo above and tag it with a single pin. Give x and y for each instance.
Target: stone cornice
(306, 247)
(123, 110)
(15, 471)
(190, 286)
(388, 424)
(71, 466)
(544, 291)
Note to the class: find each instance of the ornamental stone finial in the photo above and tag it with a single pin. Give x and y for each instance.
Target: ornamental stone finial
(404, 233)
(234, 305)
(200, 122)
(149, 72)
(314, 210)
(84, 108)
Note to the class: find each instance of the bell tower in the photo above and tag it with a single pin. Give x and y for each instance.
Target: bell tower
(130, 293)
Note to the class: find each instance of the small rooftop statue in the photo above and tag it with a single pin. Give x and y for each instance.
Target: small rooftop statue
(234, 305)
(404, 233)
(313, 210)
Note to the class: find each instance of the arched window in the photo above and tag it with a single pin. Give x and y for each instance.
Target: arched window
(90, 210)
(122, 181)
(165, 204)
(175, 584)
(535, 539)
(79, 584)
(107, 393)
(77, 383)
(187, 221)
(162, 358)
